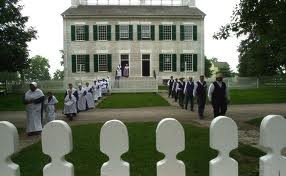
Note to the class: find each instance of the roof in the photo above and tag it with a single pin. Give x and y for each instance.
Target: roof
(220, 64)
(132, 10)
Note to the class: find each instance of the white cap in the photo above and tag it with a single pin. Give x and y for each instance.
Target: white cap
(34, 84)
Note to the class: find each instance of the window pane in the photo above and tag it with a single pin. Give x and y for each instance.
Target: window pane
(189, 62)
(80, 32)
(188, 32)
(146, 31)
(102, 32)
(80, 63)
(167, 32)
(167, 65)
(124, 31)
(102, 63)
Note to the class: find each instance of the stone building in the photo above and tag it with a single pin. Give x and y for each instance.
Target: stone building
(161, 40)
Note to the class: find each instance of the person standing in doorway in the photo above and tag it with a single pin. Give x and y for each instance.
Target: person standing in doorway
(170, 86)
(126, 71)
(188, 91)
(200, 91)
(218, 96)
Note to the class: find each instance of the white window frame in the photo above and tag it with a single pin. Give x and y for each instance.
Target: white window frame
(146, 33)
(124, 33)
(78, 36)
(83, 63)
(189, 62)
(188, 34)
(102, 35)
(102, 56)
(167, 56)
(165, 32)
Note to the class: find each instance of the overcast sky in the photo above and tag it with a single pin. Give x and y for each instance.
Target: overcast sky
(45, 17)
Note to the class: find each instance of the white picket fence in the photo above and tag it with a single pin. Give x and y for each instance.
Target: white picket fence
(170, 137)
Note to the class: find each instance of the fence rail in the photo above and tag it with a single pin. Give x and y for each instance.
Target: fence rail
(170, 140)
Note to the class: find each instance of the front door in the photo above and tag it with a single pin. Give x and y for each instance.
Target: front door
(124, 61)
(146, 65)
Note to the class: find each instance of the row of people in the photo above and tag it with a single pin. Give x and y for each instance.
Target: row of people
(185, 91)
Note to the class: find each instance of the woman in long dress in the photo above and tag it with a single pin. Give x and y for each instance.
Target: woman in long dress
(126, 71)
(81, 104)
(70, 109)
(89, 96)
(50, 108)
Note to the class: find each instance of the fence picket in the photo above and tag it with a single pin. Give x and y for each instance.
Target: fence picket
(114, 143)
(272, 138)
(170, 140)
(223, 138)
(57, 142)
(9, 145)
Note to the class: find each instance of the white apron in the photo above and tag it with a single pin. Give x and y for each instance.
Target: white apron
(96, 91)
(70, 105)
(100, 89)
(34, 111)
(81, 104)
(89, 97)
(50, 109)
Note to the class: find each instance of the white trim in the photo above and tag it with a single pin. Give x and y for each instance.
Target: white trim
(102, 23)
(101, 51)
(167, 23)
(124, 23)
(167, 52)
(145, 51)
(189, 23)
(188, 51)
(79, 23)
(79, 52)
(145, 23)
(124, 51)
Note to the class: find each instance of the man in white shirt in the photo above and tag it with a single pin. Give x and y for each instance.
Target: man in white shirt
(188, 91)
(180, 91)
(170, 86)
(218, 96)
(200, 91)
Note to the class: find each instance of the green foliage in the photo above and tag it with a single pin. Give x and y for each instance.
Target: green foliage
(226, 71)
(133, 100)
(208, 71)
(58, 75)
(38, 69)
(14, 35)
(262, 24)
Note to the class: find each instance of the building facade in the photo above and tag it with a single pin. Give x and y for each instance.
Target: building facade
(152, 40)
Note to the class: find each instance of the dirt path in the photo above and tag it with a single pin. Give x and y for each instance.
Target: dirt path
(239, 113)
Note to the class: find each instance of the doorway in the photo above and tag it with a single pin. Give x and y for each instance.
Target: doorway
(124, 60)
(145, 64)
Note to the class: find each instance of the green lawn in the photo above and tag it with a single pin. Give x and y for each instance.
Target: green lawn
(142, 155)
(255, 122)
(133, 100)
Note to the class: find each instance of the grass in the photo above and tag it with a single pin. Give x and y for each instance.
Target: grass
(133, 100)
(255, 122)
(142, 155)
(163, 87)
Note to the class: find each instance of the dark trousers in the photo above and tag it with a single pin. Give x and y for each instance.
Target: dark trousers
(170, 92)
(189, 98)
(181, 98)
(175, 95)
(219, 108)
(201, 100)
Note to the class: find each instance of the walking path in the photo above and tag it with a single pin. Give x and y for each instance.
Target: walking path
(239, 113)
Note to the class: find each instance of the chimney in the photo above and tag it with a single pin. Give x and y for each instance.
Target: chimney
(74, 3)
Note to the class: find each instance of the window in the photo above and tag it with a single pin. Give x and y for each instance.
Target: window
(102, 62)
(188, 32)
(167, 62)
(124, 31)
(80, 33)
(102, 32)
(146, 31)
(189, 62)
(167, 32)
(80, 63)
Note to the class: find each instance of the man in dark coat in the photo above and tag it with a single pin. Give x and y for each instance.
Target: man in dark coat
(218, 96)
(200, 91)
(180, 91)
(188, 91)
(170, 86)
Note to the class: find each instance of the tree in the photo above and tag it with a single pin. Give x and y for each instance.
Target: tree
(208, 71)
(58, 75)
(263, 27)
(38, 69)
(14, 35)
(226, 71)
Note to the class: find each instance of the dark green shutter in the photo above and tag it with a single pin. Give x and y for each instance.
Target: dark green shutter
(160, 32)
(174, 32)
(109, 62)
(138, 32)
(182, 62)
(86, 30)
(73, 63)
(195, 33)
(130, 32)
(95, 63)
(174, 62)
(152, 32)
(161, 62)
(195, 62)
(95, 34)
(73, 32)
(87, 63)
(109, 32)
(117, 32)
(182, 33)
